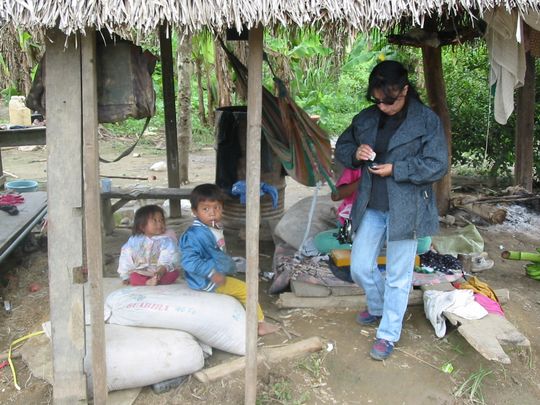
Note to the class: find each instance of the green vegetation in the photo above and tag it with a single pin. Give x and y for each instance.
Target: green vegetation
(329, 80)
(471, 388)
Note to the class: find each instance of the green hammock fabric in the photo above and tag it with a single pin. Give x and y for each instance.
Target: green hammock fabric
(300, 144)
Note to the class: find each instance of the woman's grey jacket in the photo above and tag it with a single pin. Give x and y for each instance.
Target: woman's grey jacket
(419, 155)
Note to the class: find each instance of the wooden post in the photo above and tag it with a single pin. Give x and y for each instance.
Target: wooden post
(64, 186)
(184, 67)
(436, 91)
(253, 162)
(92, 214)
(169, 100)
(524, 137)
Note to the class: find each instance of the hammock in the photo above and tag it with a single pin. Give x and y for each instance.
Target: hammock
(301, 145)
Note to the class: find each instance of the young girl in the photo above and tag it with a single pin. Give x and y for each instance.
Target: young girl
(149, 257)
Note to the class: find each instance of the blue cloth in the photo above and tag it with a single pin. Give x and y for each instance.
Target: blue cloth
(239, 189)
(386, 296)
(419, 154)
(202, 257)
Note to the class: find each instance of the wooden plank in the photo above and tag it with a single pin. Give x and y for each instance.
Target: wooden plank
(253, 162)
(158, 193)
(169, 104)
(524, 135)
(64, 178)
(289, 300)
(487, 334)
(267, 356)
(35, 204)
(92, 214)
(23, 136)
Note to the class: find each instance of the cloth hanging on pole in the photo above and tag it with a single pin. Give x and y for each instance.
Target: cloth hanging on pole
(300, 144)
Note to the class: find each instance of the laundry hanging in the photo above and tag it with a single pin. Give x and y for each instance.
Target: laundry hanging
(299, 143)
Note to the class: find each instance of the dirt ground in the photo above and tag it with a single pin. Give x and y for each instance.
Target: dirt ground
(343, 375)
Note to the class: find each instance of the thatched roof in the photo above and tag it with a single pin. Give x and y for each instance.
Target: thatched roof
(144, 16)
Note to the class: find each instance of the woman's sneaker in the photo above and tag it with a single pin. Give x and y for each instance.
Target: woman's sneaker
(365, 318)
(381, 349)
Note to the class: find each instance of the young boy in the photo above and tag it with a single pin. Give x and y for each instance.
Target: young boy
(204, 258)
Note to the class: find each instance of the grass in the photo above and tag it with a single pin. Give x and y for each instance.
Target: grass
(471, 388)
(281, 392)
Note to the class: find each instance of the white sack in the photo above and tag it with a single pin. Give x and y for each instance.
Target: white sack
(137, 357)
(215, 319)
(292, 226)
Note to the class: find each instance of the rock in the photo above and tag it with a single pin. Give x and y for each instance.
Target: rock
(160, 166)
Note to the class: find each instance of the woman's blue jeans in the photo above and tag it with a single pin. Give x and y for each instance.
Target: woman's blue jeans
(386, 296)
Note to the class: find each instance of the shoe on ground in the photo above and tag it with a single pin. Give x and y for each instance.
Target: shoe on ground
(365, 318)
(381, 349)
(480, 262)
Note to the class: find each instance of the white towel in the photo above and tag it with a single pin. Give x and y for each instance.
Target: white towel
(459, 302)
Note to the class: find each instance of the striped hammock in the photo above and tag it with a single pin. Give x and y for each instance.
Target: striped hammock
(299, 143)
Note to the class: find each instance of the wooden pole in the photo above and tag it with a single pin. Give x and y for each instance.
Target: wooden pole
(65, 234)
(92, 214)
(436, 91)
(524, 137)
(169, 104)
(253, 163)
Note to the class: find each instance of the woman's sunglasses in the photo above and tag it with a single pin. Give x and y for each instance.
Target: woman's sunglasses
(385, 101)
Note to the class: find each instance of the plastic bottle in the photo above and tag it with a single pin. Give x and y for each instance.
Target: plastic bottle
(168, 385)
(19, 114)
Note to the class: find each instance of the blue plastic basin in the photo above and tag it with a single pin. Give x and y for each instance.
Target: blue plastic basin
(22, 186)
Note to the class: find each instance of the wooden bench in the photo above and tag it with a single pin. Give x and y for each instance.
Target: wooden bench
(15, 228)
(124, 195)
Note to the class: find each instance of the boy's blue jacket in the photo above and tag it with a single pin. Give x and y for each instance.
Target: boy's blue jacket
(201, 257)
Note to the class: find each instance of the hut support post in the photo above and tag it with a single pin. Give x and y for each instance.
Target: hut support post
(253, 170)
(64, 184)
(169, 100)
(524, 137)
(92, 215)
(436, 91)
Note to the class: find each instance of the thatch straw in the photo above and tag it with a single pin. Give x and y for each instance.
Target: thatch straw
(143, 16)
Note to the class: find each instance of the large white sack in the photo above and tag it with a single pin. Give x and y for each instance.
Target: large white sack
(215, 319)
(137, 357)
(292, 226)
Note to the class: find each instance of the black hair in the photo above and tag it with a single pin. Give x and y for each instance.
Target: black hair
(205, 192)
(390, 76)
(142, 215)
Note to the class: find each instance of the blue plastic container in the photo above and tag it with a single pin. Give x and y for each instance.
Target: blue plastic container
(22, 186)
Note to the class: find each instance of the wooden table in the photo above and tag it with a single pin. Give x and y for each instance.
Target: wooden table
(20, 137)
(13, 228)
(123, 195)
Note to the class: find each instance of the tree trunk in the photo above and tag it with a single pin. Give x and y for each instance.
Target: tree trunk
(436, 91)
(198, 73)
(185, 69)
(523, 169)
(210, 97)
(222, 75)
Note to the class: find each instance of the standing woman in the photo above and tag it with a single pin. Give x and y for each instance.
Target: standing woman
(399, 145)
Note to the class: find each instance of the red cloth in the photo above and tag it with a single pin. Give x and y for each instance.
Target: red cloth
(493, 307)
(168, 278)
(11, 199)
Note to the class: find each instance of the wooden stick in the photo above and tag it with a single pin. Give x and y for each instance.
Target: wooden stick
(128, 177)
(268, 355)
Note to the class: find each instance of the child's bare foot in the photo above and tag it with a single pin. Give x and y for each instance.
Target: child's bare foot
(152, 281)
(266, 328)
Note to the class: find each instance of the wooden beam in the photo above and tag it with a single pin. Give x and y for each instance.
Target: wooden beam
(169, 104)
(267, 355)
(524, 136)
(92, 214)
(253, 162)
(436, 91)
(64, 186)
(23, 136)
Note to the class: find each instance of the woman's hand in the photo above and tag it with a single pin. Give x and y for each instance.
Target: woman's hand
(382, 169)
(218, 278)
(364, 152)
